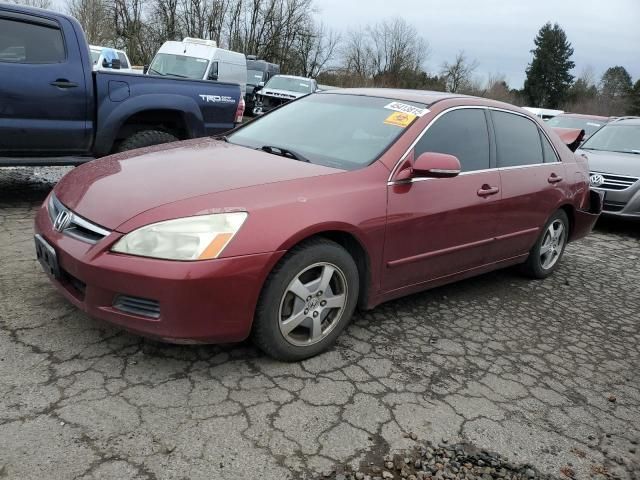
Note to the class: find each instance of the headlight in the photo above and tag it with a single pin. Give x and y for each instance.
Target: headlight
(193, 238)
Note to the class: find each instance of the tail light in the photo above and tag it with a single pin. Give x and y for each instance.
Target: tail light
(240, 110)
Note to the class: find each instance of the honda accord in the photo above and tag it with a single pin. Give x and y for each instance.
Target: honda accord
(337, 200)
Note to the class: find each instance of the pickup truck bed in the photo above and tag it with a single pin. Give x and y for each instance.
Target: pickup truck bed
(56, 111)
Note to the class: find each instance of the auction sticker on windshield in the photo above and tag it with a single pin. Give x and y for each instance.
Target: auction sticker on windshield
(404, 108)
(400, 119)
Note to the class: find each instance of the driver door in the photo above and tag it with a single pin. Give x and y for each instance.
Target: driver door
(440, 227)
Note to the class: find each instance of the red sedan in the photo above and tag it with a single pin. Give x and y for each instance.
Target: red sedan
(338, 200)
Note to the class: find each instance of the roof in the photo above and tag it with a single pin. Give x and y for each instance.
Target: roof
(426, 97)
(627, 120)
(294, 76)
(585, 116)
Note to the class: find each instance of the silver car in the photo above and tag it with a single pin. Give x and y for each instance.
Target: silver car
(614, 161)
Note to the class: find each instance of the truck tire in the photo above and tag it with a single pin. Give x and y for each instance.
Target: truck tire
(145, 138)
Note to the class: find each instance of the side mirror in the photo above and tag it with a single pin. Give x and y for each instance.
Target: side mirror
(145, 69)
(115, 64)
(261, 84)
(436, 165)
(259, 87)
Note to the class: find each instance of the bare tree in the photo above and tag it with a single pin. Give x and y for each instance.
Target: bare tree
(33, 3)
(459, 74)
(94, 16)
(397, 48)
(357, 55)
(315, 48)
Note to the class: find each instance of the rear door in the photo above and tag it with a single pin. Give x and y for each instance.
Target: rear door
(440, 227)
(532, 179)
(42, 86)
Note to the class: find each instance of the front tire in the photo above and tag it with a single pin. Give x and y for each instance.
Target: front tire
(307, 301)
(146, 138)
(547, 252)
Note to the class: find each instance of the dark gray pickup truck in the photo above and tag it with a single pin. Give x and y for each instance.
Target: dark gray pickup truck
(55, 110)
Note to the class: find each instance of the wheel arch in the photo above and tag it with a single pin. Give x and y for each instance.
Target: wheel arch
(114, 118)
(347, 238)
(571, 215)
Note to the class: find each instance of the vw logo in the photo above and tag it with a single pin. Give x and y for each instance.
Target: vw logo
(62, 221)
(596, 180)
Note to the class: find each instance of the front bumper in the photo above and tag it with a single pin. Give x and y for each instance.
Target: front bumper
(198, 302)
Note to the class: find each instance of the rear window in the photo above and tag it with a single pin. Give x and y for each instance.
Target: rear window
(517, 140)
(22, 42)
(588, 125)
(341, 131)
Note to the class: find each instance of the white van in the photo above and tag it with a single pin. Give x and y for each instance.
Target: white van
(200, 60)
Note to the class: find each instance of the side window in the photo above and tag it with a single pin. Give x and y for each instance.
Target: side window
(517, 140)
(550, 155)
(22, 42)
(123, 60)
(462, 133)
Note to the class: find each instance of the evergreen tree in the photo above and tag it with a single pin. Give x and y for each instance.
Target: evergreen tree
(548, 78)
(616, 82)
(634, 105)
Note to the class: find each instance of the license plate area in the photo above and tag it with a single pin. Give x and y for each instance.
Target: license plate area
(47, 257)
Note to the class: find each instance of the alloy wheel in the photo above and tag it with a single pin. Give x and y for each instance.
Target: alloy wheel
(552, 244)
(313, 304)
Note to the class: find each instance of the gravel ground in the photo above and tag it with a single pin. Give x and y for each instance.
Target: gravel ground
(507, 378)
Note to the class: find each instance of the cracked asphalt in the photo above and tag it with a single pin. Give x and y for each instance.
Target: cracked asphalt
(544, 373)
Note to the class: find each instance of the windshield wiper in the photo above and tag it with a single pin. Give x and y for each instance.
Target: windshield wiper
(283, 152)
(176, 75)
(153, 70)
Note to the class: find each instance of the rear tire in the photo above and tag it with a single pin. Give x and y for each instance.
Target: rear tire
(307, 301)
(547, 252)
(145, 138)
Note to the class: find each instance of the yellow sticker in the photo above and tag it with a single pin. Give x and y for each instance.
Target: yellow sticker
(400, 119)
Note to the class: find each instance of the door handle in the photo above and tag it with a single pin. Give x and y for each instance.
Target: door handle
(554, 178)
(63, 83)
(487, 190)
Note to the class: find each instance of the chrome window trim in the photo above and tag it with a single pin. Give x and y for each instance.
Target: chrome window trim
(394, 170)
(407, 181)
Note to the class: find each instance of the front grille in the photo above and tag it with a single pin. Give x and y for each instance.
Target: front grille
(137, 306)
(615, 182)
(610, 206)
(74, 225)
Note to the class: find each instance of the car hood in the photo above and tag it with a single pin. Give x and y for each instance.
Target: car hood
(626, 164)
(271, 92)
(114, 189)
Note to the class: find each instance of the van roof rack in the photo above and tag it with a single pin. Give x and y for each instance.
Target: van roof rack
(200, 41)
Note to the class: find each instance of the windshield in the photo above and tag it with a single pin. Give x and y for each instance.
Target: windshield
(95, 55)
(299, 85)
(340, 131)
(615, 138)
(589, 126)
(254, 77)
(179, 66)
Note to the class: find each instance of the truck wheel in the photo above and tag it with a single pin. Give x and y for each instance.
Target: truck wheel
(145, 138)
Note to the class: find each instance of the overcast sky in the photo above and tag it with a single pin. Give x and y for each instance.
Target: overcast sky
(499, 33)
